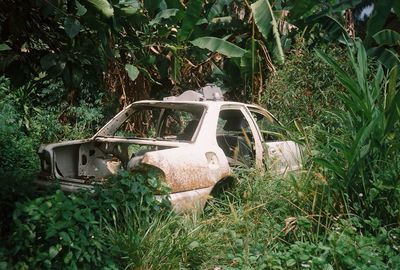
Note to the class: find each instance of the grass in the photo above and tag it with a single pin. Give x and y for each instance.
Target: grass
(234, 230)
(264, 222)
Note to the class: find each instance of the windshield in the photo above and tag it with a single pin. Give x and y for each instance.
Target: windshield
(160, 121)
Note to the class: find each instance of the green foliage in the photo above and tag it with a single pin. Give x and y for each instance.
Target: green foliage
(160, 245)
(17, 156)
(133, 71)
(339, 214)
(192, 15)
(39, 116)
(58, 231)
(264, 222)
(343, 248)
(364, 157)
(103, 6)
(387, 37)
(265, 21)
(94, 37)
(303, 88)
(378, 19)
(219, 45)
(320, 21)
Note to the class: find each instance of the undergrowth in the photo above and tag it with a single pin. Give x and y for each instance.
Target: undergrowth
(264, 222)
(69, 231)
(29, 116)
(304, 87)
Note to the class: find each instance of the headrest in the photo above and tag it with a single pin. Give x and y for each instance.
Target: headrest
(235, 124)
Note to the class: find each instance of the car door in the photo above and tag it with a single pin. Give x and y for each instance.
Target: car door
(238, 137)
(282, 155)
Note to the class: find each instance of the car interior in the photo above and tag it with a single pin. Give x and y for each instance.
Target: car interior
(235, 137)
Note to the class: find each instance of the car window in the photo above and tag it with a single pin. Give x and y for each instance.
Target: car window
(160, 123)
(235, 137)
(270, 130)
(140, 123)
(178, 125)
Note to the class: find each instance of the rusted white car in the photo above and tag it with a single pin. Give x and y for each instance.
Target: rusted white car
(195, 139)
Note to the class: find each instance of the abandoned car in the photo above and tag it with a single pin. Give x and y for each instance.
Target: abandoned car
(195, 140)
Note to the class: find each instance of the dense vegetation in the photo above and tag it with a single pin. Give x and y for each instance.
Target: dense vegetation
(330, 75)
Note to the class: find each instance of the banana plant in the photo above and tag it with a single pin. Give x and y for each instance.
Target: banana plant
(142, 40)
(327, 21)
(249, 50)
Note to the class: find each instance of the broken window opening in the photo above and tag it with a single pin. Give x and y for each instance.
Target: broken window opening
(161, 123)
(235, 137)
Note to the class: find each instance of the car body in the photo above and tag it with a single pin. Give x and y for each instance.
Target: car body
(195, 140)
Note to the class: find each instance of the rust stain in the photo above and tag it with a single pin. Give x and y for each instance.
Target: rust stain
(183, 174)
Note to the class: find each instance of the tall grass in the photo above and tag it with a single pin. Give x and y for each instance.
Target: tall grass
(264, 222)
(362, 162)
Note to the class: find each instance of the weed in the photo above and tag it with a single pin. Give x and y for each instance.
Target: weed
(58, 230)
(362, 161)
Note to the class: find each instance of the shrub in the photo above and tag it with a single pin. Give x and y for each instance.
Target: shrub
(18, 156)
(18, 164)
(59, 231)
(362, 160)
(303, 88)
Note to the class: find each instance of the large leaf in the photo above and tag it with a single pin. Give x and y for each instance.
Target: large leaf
(164, 14)
(392, 100)
(377, 21)
(342, 76)
(217, 8)
(153, 6)
(192, 15)
(265, 20)
(133, 71)
(328, 19)
(4, 47)
(389, 58)
(129, 7)
(80, 9)
(103, 6)
(72, 26)
(219, 45)
(262, 17)
(301, 8)
(176, 68)
(333, 28)
(387, 37)
(48, 61)
(174, 4)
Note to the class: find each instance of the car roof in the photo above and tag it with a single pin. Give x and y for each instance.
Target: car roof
(207, 96)
(205, 102)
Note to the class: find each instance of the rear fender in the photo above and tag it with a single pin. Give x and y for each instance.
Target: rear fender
(189, 168)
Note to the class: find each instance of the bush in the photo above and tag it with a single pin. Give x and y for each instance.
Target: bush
(341, 247)
(59, 231)
(303, 88)
(29, 116)
(362, 159)
(18, 164)
(18, 156)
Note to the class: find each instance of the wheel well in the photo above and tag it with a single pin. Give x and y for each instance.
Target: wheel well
(223, 185)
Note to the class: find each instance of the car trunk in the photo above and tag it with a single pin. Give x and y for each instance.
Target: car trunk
(86, 162)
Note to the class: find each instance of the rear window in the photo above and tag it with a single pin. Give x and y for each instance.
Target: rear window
(160, 122)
